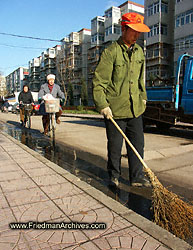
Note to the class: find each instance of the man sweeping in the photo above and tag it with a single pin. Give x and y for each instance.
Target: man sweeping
(119, 92)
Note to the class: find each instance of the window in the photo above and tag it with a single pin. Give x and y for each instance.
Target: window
(155, 30)
(192, 72)
(117, 29)
(108, 31)
(156, 52)
(164, 7)
(165, 52)
(101, 23)
(101, 37)
(184, 18)
(164, 29)
(155, 8)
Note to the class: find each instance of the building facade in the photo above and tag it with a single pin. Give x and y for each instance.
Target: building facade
(3, 90)
(74, 61)
(104, 30)
(170, 35)
(159, 17)
(16, 80)
(183, 33)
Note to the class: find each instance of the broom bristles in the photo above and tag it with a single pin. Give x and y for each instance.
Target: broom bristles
(170, 212)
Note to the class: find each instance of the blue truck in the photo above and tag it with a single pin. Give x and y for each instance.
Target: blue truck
(169, 105)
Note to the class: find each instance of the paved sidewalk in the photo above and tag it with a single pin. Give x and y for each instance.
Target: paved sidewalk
(34, 189)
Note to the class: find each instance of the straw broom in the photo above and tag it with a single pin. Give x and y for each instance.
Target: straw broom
(170, 212)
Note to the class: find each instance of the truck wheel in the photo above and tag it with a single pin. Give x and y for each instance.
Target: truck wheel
(163, 126)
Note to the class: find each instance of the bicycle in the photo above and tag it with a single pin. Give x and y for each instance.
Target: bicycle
(27, 114)
(51, 107)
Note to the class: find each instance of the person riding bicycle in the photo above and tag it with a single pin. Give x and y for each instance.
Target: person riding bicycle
(55, 91)
(25, 97)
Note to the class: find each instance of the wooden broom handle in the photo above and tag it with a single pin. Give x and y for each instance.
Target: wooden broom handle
(130, 144)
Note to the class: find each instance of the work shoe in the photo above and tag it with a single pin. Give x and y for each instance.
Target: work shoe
(141, 181)
(114, 181)
(45, 132)
(58, 121)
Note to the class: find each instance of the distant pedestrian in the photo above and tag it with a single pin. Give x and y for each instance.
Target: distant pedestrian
(54, 89)
(119, 92)
(25, 97)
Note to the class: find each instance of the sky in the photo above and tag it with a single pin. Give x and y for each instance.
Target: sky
(42, 19)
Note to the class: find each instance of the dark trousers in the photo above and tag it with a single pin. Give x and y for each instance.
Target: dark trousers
(133, 128)
(46, 120)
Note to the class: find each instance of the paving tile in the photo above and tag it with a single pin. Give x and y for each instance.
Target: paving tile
(164, 248)
(151, 244)
(138, 242)
(16, 185)
(55, 238)
(9, 240)
(30, 159)
(125, 241)
(4, 155)
(6, 176)
(44, 211)
(39, 171)
(60, 191)
(102, 243)
(77, 204)
(49, 180)
(3, 201)
(32, 165)
(85, 246)
(12, 147)
(101, 215)
(6, 162)
(6, 217)
(9, 167)
(21, 197)
(21, 154)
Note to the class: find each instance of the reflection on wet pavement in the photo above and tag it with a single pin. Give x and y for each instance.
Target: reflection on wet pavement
(137, 199)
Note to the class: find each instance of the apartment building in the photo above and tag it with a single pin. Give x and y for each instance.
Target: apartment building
(159, 16)
(16, 80)
(34, 73)
(104, 30)
(183, 33)
(41, 66)
(171, 35)
(48, 63)
(3, 90)
(75, 61)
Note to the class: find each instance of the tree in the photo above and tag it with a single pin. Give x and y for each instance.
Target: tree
(84, 93)
(60, 76)
(70, 94)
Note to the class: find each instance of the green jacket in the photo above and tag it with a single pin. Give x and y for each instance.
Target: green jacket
(118, 82)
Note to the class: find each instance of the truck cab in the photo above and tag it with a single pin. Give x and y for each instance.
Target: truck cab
(186, 97)
(167, 105)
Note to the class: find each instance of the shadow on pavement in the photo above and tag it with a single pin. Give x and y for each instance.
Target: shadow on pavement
(87, 122)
